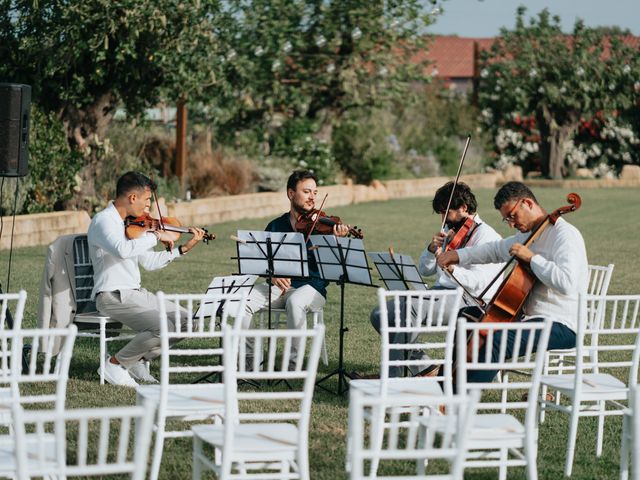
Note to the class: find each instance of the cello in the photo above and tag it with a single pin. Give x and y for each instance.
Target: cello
(506, 304)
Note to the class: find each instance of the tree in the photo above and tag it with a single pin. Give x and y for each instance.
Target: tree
(539, 74)
(85, 59)
(312, 60)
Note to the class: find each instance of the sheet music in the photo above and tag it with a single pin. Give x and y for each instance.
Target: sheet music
(230, 284)
(328, 249)
(288, 253)
(398, 272)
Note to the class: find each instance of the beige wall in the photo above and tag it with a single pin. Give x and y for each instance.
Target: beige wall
(43, 228)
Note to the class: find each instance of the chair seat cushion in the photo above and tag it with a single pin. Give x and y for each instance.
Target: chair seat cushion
(34, 442)
(399, 386)
(203, 400)
(594, 385)
(276, 438)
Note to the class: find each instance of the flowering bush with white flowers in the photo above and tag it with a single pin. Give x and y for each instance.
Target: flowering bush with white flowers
(316, 155)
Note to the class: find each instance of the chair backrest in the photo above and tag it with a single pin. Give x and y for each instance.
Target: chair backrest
(6, 301)
(428, 325)
(599, 279)
(43, 368)
(415, 430)
(607, 337)
(488, 335)
(296, 379)
(199, 351)
(83, 271)
(86, 442)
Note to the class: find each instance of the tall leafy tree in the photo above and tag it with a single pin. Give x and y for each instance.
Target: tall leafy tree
(314, 59)
(535, 71)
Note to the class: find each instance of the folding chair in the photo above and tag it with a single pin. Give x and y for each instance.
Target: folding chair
(607, 338)
(630, 442)
(198, 354)
(410, 435)
(81, 442)
(44, 369)
(6, 306)
(317, 318)
(496, 437)
(91, 323)
(428, 325)
(264, 433)
(563, 361)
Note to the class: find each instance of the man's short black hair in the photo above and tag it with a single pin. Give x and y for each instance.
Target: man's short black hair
(512, 191)
(298, 176)
(133, 181)
(462, 195)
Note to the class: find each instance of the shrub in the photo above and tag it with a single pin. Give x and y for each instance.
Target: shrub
(219, 173)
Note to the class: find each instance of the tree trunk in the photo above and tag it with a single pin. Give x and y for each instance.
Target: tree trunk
(553, 141)
(86, 128)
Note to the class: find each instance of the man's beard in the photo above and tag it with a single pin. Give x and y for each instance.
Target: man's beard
(456, 225)
(301, 209)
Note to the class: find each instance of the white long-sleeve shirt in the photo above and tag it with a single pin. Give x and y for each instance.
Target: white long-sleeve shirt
(474, 278)
(115, 258)
(559, 263)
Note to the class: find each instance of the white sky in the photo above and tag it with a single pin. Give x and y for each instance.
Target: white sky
(483, 18)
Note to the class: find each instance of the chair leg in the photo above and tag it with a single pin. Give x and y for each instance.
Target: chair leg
(303, 462)
(196, 468)
(157, 452)
(624, 449)
(103, 348)
(531, 454)
(377, 437)
(504, 455)
(600, 435)
(571, 442)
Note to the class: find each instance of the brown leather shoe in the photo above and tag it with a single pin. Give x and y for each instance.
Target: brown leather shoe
(363, 376)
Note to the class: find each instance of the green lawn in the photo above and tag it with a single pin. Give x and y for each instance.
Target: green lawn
(607, 221)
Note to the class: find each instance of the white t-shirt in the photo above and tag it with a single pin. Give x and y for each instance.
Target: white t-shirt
(559, 263)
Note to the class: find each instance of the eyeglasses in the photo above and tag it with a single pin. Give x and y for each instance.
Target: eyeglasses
(510, 218)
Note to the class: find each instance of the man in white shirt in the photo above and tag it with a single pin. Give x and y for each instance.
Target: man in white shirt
(474, 278)
(117, 291)
(557, 258)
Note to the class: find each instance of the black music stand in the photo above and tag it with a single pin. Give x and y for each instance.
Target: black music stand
(341, 260)
(224, 285)
(271, 255)
(398, 271)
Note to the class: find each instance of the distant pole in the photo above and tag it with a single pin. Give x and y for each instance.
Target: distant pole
(181, 139)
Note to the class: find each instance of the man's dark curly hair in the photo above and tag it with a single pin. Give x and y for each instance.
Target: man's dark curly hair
(462, 195)
(298, 176)
(512, 191)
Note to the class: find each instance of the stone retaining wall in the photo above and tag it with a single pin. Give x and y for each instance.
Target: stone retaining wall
(43, 228)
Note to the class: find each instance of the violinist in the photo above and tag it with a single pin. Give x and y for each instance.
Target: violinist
(557, 258)
(462, 218)
(296, 295)
(116, 274)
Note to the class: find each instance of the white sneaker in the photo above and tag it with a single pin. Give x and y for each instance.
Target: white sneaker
(140, 373)
(116, 374)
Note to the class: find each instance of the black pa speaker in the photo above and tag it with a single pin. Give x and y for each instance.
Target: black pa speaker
(15, 104)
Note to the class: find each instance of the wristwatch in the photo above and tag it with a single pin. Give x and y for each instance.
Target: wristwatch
(181, 251)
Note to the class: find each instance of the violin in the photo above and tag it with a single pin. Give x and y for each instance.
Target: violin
(135, 227)
(462, 235)
(317, 221)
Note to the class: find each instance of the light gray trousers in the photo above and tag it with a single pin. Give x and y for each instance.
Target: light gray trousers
(296, 301)
(138, 310)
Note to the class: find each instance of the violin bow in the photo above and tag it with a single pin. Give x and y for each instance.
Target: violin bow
(315, 222)
(455, 182)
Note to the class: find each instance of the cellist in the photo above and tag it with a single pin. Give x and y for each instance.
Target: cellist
(557, 258)
(457, 205)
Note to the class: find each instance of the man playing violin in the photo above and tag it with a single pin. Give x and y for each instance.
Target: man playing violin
(116, 274)
(557, 258)
(296, 295)
(474, 278)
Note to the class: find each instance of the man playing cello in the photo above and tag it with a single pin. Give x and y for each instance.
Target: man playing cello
(557, 258)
